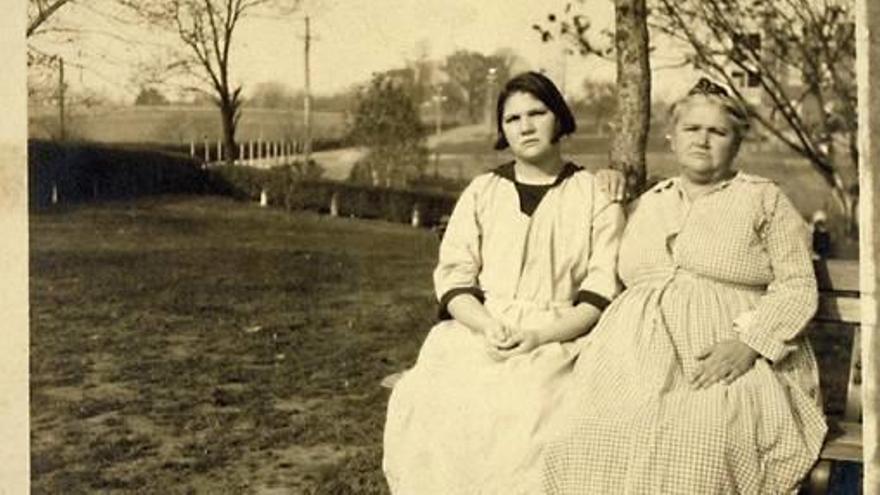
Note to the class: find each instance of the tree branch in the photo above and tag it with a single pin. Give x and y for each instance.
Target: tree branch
(43, 14)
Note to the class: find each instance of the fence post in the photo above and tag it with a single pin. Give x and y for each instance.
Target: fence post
(219, 150)
(334, 204)
(416, 218)
(192, 148)
(207, 152)
(240, 159)
(264, 198)
(54, 193)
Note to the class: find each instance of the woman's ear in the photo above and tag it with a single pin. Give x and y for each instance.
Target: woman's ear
(557, 130)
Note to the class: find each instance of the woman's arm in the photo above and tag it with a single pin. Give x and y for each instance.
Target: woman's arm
(595, 291)
(456, 277)
(470, 312)
(574, 323)
(782, 313)
(791, 298)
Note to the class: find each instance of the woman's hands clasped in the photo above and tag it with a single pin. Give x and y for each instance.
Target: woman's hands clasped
(504, 342)
(725, 361)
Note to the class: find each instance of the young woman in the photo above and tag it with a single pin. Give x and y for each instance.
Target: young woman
(526, 265)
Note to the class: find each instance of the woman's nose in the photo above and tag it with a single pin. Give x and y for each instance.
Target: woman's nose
(703, 138)
(526, 125)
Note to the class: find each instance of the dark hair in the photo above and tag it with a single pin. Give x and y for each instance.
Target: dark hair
(542, 88)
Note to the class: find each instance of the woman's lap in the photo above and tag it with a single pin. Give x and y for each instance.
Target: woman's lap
(642, 428)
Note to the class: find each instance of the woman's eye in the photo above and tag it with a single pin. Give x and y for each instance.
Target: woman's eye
(511, 118)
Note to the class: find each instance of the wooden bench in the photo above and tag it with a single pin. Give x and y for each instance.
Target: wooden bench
(838, 314)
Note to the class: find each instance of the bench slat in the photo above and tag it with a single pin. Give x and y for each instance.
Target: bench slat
(838, 308)
(844, 442)
(837, 275)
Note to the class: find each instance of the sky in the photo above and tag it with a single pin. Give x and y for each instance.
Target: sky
(352, 39)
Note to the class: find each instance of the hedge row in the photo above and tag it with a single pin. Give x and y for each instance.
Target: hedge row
(284, 188)
(83, 172)
(73, 172)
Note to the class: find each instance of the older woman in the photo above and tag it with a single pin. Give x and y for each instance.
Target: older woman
(526, 265)
(698, 378)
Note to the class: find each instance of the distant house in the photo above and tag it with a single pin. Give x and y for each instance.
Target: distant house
(791, 73)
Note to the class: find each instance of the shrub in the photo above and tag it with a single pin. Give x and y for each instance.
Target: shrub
(285, 187)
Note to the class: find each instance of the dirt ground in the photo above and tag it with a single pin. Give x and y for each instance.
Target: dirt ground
(206, 346)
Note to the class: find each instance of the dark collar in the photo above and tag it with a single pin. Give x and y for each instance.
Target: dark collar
(506, 171)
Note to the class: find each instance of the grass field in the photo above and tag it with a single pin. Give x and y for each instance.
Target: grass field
(207, 346)
(199, 345)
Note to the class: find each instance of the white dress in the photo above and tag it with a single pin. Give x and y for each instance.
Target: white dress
(459, 422)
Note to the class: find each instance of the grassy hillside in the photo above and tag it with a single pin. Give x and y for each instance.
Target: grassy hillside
(179, 124)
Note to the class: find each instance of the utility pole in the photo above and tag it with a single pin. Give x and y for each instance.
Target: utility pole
(438, 99)
(61, 132)
(307, 100)
(490, 99)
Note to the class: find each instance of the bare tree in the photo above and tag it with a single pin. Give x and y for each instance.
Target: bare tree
(799, 55)
(206, 30)
(598, 101)
(39, 11)
(629, 47)
(470, 74)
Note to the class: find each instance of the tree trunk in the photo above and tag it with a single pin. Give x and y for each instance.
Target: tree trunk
(633, 93)
(228, 118)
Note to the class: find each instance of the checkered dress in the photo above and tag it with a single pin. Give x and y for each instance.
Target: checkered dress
(738, 253)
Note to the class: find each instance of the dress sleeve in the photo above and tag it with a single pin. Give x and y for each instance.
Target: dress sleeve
(600, 285)
(791, 298)
(459, 261)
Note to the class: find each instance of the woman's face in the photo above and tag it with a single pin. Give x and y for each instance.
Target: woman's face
(704, 142)
(529, 127)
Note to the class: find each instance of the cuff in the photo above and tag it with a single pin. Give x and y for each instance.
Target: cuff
(443, 311)
(587, 296)
(764, 344)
